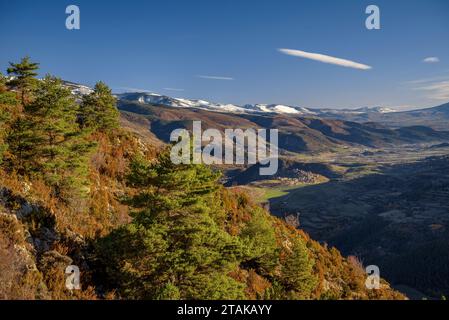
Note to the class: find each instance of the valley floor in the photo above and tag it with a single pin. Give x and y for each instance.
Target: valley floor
(389, 207)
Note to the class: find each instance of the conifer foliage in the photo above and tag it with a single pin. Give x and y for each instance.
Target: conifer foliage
(140, 226)
(297, 272)
(59, 146)
(7, 103)
(179, 245)
(24, 74)
(175, 245)
(49, 133)
(98, 110)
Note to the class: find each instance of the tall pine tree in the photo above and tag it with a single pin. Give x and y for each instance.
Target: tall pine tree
(175, 247)
(24, 80)
(22, 144)
(298, 277)
(98, 110)
(60, 148)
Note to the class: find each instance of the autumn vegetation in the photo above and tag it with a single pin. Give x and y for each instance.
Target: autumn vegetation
(76, 188)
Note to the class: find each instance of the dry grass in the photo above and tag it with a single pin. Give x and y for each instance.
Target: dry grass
(18, 279)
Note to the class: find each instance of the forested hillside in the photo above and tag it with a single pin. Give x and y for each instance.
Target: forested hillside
(76, 188)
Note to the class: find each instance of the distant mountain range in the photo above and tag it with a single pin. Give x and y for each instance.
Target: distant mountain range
(389, 115)
(436, 117)
(157, 99)
(297, 133)
(301, 129)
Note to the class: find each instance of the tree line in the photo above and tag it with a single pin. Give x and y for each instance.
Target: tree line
(45, 132)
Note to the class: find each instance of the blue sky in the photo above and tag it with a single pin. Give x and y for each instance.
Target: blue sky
(227, 51)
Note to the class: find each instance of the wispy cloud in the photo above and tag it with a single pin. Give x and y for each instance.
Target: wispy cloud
(427, 80)
(431, 60)
(436, 90)
(325, 59)
(130, 89)
(215, 77)
(173, 89)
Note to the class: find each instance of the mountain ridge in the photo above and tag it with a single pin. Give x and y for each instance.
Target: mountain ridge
(297, 133)
(361, 114)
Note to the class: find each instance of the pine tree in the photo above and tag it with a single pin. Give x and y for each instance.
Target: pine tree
(297, 272)
(175, 247)
(24, 81)
(98, 110)
(7, 102)
(59, 146)
(173, 186)
(260, 243)
(22, 144)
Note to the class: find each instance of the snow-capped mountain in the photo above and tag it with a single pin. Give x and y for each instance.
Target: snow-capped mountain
(154, 98)
(77, 89)
(279, 108)
(158, 99)
(374, 109)
(362, 110)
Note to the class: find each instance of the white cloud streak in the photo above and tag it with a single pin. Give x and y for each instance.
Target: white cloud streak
(436, 90)
(431, 60)
(427, 80)
(173, 89)
(325, 59)
(129, 89)
(215, 77)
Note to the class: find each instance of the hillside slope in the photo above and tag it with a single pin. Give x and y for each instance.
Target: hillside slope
(111, 202)
(296, 133)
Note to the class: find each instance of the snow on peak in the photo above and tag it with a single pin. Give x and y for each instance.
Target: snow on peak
(284, 109)
(386, 110)
(157, 99)
(154, 98)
